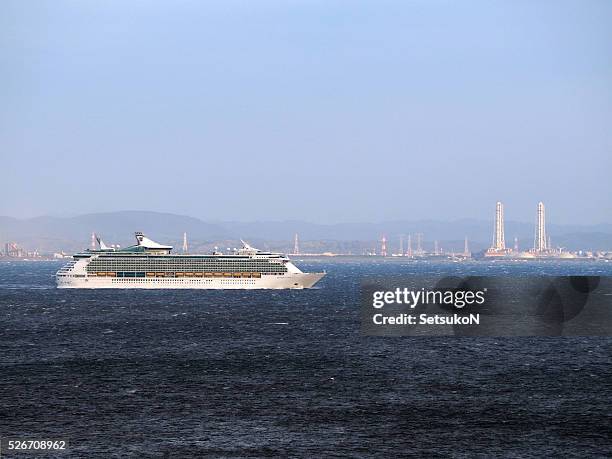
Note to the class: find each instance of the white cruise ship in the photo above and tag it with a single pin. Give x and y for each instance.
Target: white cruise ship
(151, 265)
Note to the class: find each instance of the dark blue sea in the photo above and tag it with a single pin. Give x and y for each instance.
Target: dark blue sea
(287, 374)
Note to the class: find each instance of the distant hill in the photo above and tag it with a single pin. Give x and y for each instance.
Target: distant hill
(74, 233)
(48, 234)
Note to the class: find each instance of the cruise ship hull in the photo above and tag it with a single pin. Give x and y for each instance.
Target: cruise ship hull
(286, 281)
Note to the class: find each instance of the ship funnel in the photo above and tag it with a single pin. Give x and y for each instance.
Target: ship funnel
(147, 243)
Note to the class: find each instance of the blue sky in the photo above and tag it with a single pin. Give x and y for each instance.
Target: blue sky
(317, 110)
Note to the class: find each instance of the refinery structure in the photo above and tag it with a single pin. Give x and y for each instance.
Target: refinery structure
(412, 246)
(542, 247)
(498, 248)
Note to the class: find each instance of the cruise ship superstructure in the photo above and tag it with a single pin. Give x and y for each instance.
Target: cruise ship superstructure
(151, 265)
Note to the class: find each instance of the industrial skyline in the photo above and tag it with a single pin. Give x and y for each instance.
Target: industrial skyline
(542, 247)
(398, 244)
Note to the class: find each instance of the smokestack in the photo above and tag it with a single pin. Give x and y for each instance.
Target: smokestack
(419, 248)
(541, 242)
(499, 242)
(296, 245)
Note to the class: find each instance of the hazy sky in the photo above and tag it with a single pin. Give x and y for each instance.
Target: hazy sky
(317, 110)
